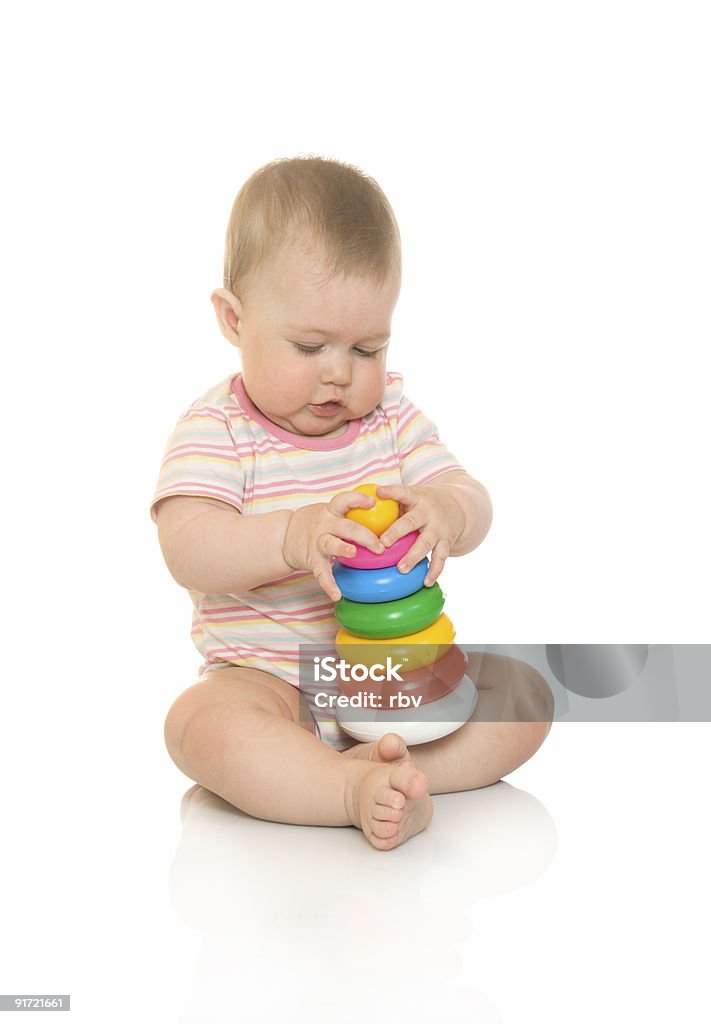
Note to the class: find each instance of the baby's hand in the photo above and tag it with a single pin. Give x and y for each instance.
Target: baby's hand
(317, 533)
(435, 513)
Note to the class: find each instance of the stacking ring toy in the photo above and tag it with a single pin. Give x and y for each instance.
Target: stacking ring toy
(379, 585)
(391, 618)
(413, 651)
(441, 717)
(377, 519)
(365, 559)
(430, 682)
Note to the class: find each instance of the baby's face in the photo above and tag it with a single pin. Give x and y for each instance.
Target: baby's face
(313, 347)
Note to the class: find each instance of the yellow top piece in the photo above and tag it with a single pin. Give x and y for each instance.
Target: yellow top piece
(383, 514)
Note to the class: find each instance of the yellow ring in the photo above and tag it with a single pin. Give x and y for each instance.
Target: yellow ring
(377, 519)
(414, 650)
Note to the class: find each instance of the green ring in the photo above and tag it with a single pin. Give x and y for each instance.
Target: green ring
(387, 619)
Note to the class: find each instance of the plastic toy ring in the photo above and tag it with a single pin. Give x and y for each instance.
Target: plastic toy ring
(365, 559)
(430, 682)
(413, 651)
(391, 618)
(377, 519)
(379, 585)
(440, 718)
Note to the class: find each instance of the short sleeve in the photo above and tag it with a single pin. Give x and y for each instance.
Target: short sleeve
(201, 460)
(422, 455)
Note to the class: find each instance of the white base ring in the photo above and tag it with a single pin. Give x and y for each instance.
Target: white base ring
(430, 722)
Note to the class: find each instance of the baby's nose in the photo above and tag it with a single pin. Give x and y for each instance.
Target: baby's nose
(337, 370)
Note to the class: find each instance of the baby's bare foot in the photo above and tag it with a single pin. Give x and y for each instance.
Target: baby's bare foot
(390, 803)
(389, 749)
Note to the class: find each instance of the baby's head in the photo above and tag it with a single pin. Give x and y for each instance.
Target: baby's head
(312, 275)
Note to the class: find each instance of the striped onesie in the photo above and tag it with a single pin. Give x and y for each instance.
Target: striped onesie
(223, 447)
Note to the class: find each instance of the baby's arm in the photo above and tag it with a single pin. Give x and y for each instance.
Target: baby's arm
(453, 514)
(212, 548)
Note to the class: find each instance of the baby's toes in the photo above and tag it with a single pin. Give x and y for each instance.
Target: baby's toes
(393, 804)
(386, 797)
(410, 782)
(392, 747)
(386, 812)
(384, 829)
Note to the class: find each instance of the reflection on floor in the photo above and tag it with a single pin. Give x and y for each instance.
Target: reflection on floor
(316, 918)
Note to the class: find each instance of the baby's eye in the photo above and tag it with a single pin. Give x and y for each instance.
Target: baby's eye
(308, 350)
(366, 353)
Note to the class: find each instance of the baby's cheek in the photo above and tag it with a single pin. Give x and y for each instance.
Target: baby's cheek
(291, 384)
(371, 385)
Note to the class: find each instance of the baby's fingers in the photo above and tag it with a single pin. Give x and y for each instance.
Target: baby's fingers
(400, 493)
(427, 541)
(346, 500)
(324, 577)
(350, 532)
(411, 520)
(334, 547)
(439, 557)
(349, 529)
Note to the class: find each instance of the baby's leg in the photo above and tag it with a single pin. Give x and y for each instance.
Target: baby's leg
(238, 734)
(512, 718)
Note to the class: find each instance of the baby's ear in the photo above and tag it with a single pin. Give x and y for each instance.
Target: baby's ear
(228, 310)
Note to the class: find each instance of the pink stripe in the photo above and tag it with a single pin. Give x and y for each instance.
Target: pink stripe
(283, 579)
(291, 655)
(266, 445)
(244, 617)
(200, 447)
(200, 412)
(223, 609)
(326, 485)
(176, 455)
(310, 609)
(197, 491)
(437, 472)
(409, 417)
(240, 615)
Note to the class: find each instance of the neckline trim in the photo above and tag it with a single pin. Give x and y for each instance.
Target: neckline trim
(318, 444)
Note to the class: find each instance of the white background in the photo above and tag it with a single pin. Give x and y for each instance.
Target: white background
(549, 167)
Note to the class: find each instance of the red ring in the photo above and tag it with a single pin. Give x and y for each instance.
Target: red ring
(429, 681)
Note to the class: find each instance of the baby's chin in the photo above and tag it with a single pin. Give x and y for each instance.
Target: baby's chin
(326, 431)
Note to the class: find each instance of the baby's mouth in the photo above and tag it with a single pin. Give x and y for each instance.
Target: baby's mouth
(326, 408)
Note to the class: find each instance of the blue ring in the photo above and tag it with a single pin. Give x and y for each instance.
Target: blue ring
(373, 586)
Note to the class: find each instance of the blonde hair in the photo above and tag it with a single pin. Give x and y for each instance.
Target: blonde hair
(331, 205)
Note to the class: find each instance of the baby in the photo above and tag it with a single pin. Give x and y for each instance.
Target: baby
(251, 506)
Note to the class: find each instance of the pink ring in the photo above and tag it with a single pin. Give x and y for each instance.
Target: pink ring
(365, 559)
